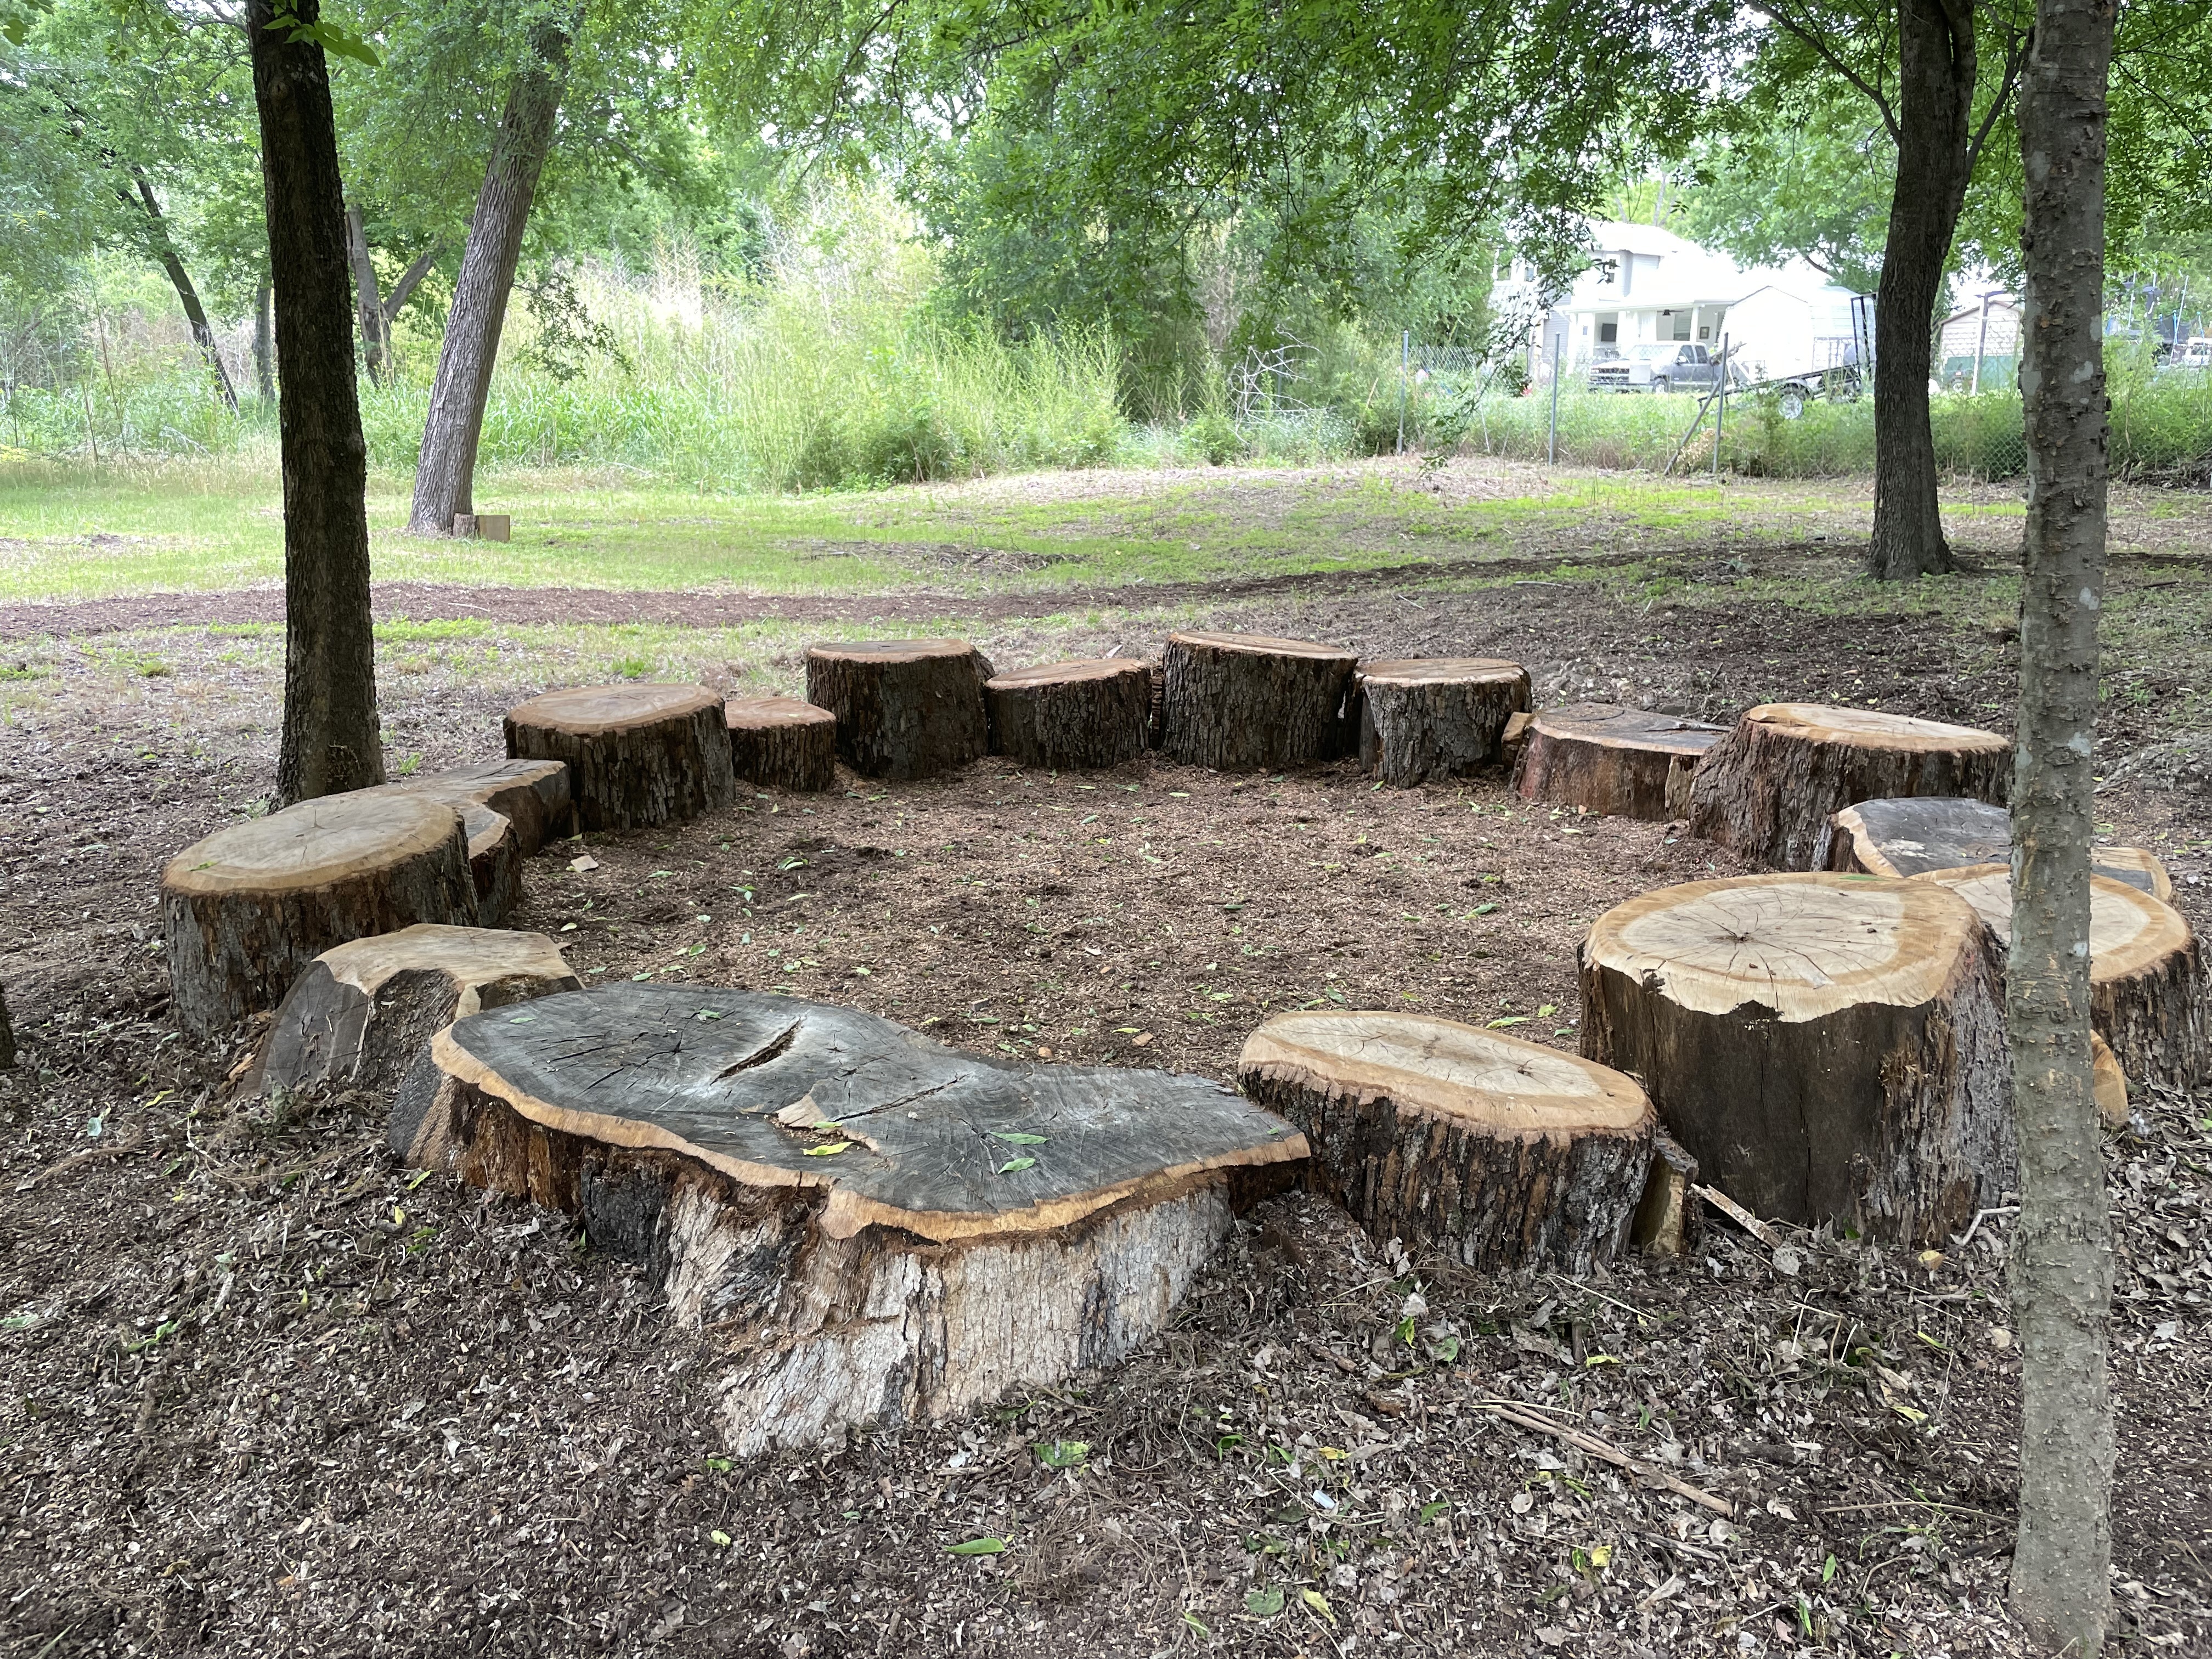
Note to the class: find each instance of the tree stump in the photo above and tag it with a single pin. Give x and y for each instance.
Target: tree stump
(1436, 717)
(1072, 716)
(1918, 835)
(638, 754)
(2147, 993)
(884, 1231)
(360, 1014)
(1770, 788)
(1828, 1048)
(508, 808)
(1623, 762)
(245, 909)
(783, 742)
(1504, 1153)
(1245, 702)
(905, 709)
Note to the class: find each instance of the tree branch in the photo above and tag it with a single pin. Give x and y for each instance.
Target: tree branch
(1828, 55)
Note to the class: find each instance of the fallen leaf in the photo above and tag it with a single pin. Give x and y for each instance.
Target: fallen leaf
(1016, 1165)
(978, 1547)
(583, 861)
(1319, 1603)
(828, 1149)
(1264, 1604)
(1140, 1039)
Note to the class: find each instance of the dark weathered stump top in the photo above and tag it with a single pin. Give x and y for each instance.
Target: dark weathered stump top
(759, 714)
(592, 711)
(1613, 726)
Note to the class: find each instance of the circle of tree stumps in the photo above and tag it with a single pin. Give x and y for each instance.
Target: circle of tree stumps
(905, 709)
(638, 754)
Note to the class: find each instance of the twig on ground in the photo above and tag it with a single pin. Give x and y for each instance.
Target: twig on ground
(90, 1154)
(1611, 1454)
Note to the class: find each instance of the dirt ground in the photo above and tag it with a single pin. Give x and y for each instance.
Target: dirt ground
(266, 1393)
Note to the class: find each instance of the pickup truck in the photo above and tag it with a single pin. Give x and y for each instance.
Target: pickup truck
(1662, 366)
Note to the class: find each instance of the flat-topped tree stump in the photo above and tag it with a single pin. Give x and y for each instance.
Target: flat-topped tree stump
(884, 1231)
(1247, 702)
(244, 911)
(1828, 1048)
(2147, 992)
(783, 742)
(1917, 835)
(360, 1014)
(1072, 716)
(508, 809)
(638, 754)
(1504, 1153)
(1436, 717)
(1602, 757)
(1771, 788)
(905, 709)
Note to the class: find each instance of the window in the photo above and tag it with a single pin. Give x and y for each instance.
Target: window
(1607, 333)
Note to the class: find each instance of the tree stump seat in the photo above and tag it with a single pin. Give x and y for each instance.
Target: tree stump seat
(1506, 1154)
(1605, 758)
(884, 1231)
(1436, 717)
(638, 754)
(508, 809)
(1919, 835)
(1771, 789)
(1072, 716)
(905, 709)
(1250, 702)
(783, 742)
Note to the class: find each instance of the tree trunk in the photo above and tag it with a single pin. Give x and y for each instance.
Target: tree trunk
(188, 296)
(402, 292)
(783, 742)
(264, 341)
(638, 754)
(905, 709)
(1623, 762)
(368, 307)
(1249, 702)
(444, 477)
(1072, 716)
(331, 738)
(2062, 1251)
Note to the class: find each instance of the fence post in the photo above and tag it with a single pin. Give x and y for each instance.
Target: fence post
(1552, 439)
(1981, 345)
(1405, 350)
(1719, 409)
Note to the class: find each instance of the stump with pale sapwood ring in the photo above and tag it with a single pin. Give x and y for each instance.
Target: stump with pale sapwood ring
(638, 754)
(508, 808)
(883, 1230)
(1436, 717)
(1503, 1153)
(1623, 762)
(1770, 790)
(2147, 992)
(782, 743)
(905, 709)
(1247, 702)
(245, 909)
(1919, 835)
(1828, 1048)
(360, 1014)
(1072, 716)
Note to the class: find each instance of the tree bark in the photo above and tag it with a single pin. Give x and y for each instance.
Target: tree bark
(1072, 716)
(638, 754)
(330, 739)
(905, 709)
(445, 475)
(2063, 1250)
(188, 296)
(367, 306)
(783, 742)
(1250, 702)
(264, 341)
(1623, 762)
(1436, 717)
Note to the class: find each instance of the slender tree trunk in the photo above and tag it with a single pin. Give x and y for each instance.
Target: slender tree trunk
(165, 250)
(367, 303)
(2062, 1253)
(444, 477)
(330, 739)
(264, 340)
(402, 291)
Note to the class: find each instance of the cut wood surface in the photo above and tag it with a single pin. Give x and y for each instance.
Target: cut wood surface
(508, 808)
(244, 911)
(1505, 1153)
(1602, 757)
(1072, 716)
(1249, 702)
(638, 754)
(1828, 1048)
(905, 709)
(1771, 789)
(1914, 836)
(783, 742)
(1436, 717)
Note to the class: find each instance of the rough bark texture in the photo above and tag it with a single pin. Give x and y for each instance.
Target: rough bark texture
(1247, 703)
(1505, 1154)
(509, 808)
(264, 340)
(367, 306)
(1920, 834)
(905, 709)
(1771, 789)
(1073, 716)
(445, 478)
(1436, 717)
(7, 1035)
(1623, 762)
(331, 738)
(638, 754)
(1828, 1048)
(782, 743)
(244, 911)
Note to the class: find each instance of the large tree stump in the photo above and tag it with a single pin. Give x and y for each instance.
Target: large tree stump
(782, 743)
(245, 909)
(1623, 762)
(1828, 1048)
(1918, 835)
(1770, 788)
(1504, 1153)
(905, 709)
(638, 754)
(360, 1014)
(1072, 716)
(1436, 717)
(884, 1231)
(508, 808)
(2147, 992)
(1246, 703)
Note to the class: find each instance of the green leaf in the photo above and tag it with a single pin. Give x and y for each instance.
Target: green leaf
(1191, 1619)
(1014, 1138)
(1222, 1443)
(1828, 1571)
(1319, 1603)
(1547, 1010)
(722, 1539)
(1016, 1165)
(1501, 1023)
(1484, 909)
(1264, 1604)
(21, 1321)
(829, 1149)
(720, 1465)
(1063, 1453)
(978, 1547)
(1435, 1511)
(1444, 1350)
(1406, 1330)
